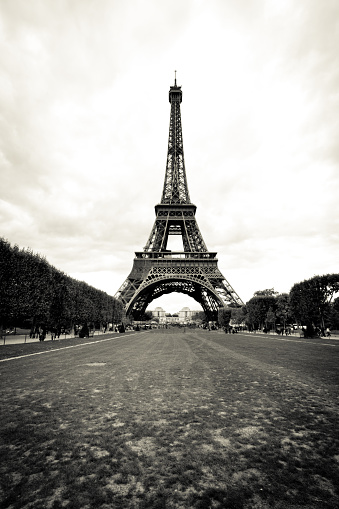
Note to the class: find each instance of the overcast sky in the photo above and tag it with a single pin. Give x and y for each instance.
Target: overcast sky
(84, 118)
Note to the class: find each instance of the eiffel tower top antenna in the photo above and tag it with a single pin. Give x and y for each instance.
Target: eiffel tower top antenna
(175, 78)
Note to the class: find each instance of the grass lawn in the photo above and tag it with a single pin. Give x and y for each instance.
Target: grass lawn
(167, 419)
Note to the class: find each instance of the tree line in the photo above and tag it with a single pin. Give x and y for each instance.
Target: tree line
(35, 294)
(313, 304)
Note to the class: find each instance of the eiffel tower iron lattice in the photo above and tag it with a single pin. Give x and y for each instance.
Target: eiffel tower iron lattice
(194, 271)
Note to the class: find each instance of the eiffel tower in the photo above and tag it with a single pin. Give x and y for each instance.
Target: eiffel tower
(194, 271)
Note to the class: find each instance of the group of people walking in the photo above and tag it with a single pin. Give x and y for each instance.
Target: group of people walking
(40, 332)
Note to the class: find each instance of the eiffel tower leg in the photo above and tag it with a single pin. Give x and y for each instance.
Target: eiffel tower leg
(210, 307)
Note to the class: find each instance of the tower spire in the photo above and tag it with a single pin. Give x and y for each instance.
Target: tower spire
(175, 185)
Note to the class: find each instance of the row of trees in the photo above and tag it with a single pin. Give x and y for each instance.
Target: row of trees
(313, 303)
(33, 293)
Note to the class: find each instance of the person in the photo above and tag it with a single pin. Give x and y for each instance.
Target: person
(84, 332)
(42, 334)
(328, 332)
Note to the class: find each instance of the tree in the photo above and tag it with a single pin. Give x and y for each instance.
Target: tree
(283, 309)
(334, 314)
(265, 293)
(238, 315)
(147, 316)
(61, 312)
(199, 315)
(34, 285)
(6, 277)
(310, 300)
(270, 318)
(257, 309)
(224, 316)
(33, 290)
(117, 310)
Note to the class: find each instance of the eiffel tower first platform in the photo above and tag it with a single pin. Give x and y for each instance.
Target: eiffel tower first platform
(194, 271)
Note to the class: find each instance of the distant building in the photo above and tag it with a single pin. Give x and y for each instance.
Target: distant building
(159, 313)
(184, 316)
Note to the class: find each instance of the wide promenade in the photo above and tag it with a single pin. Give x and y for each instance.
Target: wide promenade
(170, 419)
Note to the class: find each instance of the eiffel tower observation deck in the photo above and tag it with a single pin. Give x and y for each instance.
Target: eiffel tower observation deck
(194, 270)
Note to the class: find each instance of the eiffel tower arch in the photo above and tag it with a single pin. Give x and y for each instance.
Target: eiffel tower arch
(194, 270)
